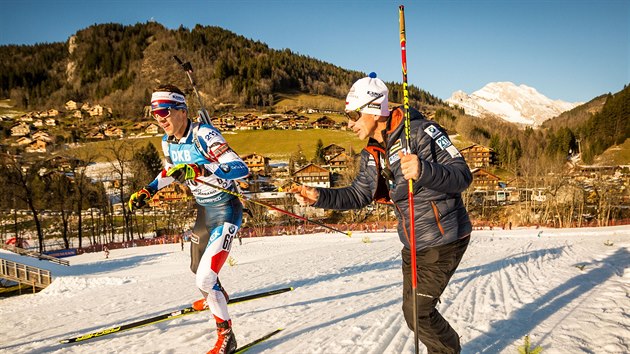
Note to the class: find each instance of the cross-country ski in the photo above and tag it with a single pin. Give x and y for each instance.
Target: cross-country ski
(168, 316)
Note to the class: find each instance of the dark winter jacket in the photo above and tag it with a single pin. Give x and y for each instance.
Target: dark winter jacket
(440, 215)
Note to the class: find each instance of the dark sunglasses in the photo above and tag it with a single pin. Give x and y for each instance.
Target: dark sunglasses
(355, 115)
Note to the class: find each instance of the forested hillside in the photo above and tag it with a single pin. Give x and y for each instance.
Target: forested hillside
(117, 66)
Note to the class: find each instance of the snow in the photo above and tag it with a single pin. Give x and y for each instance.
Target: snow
(517, 104)
(568, 289)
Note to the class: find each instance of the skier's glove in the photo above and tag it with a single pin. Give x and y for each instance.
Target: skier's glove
(140, 198)
(184, 172)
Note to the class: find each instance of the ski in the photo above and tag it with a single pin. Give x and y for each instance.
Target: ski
(167, 317)
(247, 346)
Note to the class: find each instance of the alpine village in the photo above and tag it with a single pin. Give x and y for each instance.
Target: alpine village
(78, 139)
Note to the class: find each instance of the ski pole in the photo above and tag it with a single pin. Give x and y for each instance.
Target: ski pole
(412, 228)
(203, 113)
(243, 197)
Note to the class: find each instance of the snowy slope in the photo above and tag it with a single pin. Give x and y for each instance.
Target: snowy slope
(517, 104)
(347, 296)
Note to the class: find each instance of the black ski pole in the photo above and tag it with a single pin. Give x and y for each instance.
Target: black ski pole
(203, 113)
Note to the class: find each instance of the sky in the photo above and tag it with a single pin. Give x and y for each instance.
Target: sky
(572, 50)
(565, 288)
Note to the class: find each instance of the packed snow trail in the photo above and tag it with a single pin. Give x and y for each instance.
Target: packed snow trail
(566, 289)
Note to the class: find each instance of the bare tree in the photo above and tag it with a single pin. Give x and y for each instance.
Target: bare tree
(122, 151)
(27, 185)
(60, 191)
(78, 169)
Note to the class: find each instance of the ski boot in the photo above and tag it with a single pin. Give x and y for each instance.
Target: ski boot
(226, 341)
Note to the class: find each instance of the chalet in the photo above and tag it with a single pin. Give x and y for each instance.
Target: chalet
(478, 156)
(313, 175)
(290, 114)
(140, 125)
(42, 135)
(257, 164)
(172, 193)
(220, 123)
(95, 135)
(332, 150)
(51, 122)
(251, 124)
(52, 112)
(38, 123)
(286, 124)
(268, 122)
(77, 114)
(21, 129)
(323, 123)
(71, 106)
(28, 117)
(339, 162)
(38, 146)
(483, 179)
(302, 122)
(114, 132)
(152, 129)
(97, 110)
(25, 140)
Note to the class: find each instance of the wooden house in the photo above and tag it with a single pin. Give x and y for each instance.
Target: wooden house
(339, 162)
(38, 146)
(152, 129)
(323, 123)
(478, 156)
(485, 180)
(257, 164)
(331, 151)
(313, 175)
(21, 129)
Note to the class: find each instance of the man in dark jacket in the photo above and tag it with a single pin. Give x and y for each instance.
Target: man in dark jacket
(439, 173)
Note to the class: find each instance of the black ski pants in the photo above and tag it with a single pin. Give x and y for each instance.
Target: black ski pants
(435, 267)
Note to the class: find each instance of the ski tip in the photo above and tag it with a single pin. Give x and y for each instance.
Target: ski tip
(349, 234)
(64, 341)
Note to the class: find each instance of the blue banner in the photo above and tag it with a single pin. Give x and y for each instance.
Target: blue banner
(62, 253)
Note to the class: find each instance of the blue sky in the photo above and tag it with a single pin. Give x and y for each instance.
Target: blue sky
(571, 50)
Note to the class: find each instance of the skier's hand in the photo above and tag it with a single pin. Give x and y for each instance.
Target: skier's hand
(184, 172)
(304, 195)
(410, 166)
(140, 199)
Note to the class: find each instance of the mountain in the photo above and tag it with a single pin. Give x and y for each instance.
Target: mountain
(516, 104)
(117, 66)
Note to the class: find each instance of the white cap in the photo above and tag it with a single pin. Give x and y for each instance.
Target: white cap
(365, 90)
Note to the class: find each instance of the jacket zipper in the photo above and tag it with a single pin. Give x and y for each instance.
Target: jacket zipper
(436, 212)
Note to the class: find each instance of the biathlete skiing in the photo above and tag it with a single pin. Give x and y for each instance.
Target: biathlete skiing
(198, 152)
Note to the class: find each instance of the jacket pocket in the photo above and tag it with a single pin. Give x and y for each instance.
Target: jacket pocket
(436, 213)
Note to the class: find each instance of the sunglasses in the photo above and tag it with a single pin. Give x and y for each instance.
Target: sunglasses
(355, 115)
(165, 112)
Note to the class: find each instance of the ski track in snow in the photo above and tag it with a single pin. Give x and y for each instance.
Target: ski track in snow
(347, 296)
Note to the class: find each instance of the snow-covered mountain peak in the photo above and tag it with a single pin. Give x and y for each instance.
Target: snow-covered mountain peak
(517, 104)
